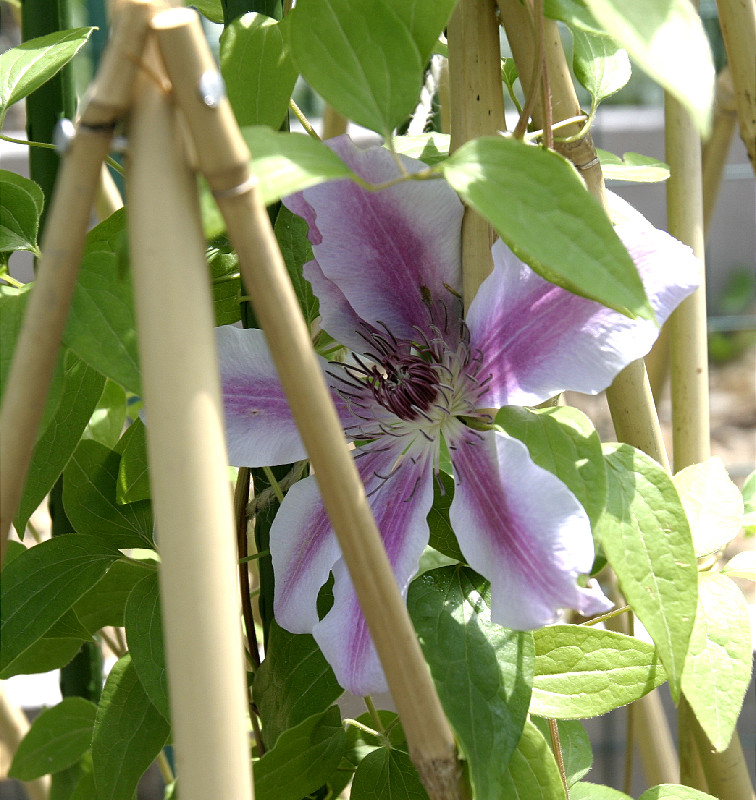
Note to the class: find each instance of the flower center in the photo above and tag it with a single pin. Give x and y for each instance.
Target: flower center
(406, 386)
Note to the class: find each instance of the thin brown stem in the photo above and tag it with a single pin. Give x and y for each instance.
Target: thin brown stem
(556, 746)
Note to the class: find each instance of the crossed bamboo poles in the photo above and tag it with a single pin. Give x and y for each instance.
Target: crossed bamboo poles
(158, 72)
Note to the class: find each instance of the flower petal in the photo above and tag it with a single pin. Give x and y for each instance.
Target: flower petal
(391, 253)
(400, 505)
(522, 529)
(538, 340)
(304, 549)
(260, 430)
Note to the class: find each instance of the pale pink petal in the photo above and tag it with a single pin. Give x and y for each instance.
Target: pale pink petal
(386, 256)
(538, 340)
(522, 529)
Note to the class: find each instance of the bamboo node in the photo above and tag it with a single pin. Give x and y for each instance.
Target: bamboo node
(440, 776)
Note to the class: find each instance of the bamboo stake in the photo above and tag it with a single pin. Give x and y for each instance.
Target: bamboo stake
(477, 109)
(225, 167)
(187, 455)
(108, 199)
(737, 19)
(334, 124)
(62, 246)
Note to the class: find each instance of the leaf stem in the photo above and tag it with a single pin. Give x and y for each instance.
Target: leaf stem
(364, 728)
(11, 281)
(165, 768)
(556, 746)
(273, 483)
(609, 615)
(374, 715)
(306, 124)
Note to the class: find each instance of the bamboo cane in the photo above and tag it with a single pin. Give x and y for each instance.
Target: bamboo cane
(737, 19)
(630, 399)
(334, 124)
(187, 455)
(62, 246)
(225, 167)
(477, 109)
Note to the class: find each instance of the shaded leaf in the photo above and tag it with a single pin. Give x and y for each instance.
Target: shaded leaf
(108, 418)
(533, 772)
(133, 469)
(21, 202)
(387, 773)
(291, 233)
(576, 747)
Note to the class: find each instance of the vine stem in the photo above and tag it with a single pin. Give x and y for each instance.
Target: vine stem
(556, 746)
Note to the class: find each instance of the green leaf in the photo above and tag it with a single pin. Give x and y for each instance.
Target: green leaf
(133, 471)
(632, 167)
(583, 672)
(101, 328)
(105, 602)
(601, 66)
(442, 536)
(646, 538)
(41, 584)
(519, 188)
(144, 630)
(106, 424)
(129, 732)
(226, 286)
(21, 202)
(89, 498)
(44, 655)
(482, 671)
(742, 565)
(564, 442)
(253, 53)
(713, 504)
(533, 772)
(58, 737)
(362, 59)
(668, 41)
(69, 627)
(749, 503)
(718, 667)
(430, 148)
(291, 233)
(670, 791)
(82, 387)
(360, 742)
(12, 309)
(26, 67)
(212, 9)
(284, 163)
(303, 758)
(576, 747)
(293, 683)
(387, 773)
(596, 791)
(574, 14)
(425, 20)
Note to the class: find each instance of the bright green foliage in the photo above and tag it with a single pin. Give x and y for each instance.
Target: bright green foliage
(387, 773)
(646, 538)
(284, 163)
(292, 683)
(101, 329)
(21, 202)
(667, 40)
(212, 9)
(40, 585)
(26, 67)
(129, 733)
(601, 66)
(144, 630)
(226, 285)
(564, 442)
(89, 497)
(291, 233)
(425, 20)
(82, 387)
(668, 791)
(632, 167)
(515, 186)
(253, 52)
(582, 671)
(56, 740)
(362, 59)
(742, 565)
(532, 772)
(133, 471)
(108, 417)
(482, 671)
(574, 14)
(576, 747)
(749, 504)
(713, 504)
(431, 148)
(718, 667)
(303, 758)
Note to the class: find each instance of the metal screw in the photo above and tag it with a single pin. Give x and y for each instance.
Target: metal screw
(63, 135)
(211, 88)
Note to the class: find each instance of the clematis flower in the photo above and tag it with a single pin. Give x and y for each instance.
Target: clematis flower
(386, 270)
